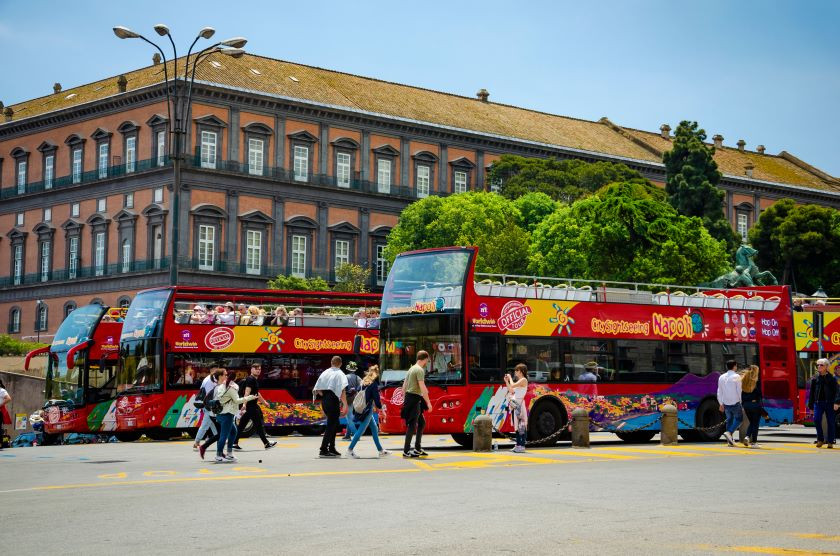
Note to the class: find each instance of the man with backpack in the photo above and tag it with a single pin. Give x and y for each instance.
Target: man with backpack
(354, 384)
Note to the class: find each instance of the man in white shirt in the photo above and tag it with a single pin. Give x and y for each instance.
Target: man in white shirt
(729, 398)
(227, 317)
(331, 387)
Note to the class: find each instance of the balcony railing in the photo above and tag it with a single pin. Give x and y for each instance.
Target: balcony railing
(265, 272)
(85, 177)
(82, 272)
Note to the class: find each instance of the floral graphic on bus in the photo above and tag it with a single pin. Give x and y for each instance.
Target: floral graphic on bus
(273, 338)
(285, 414)
(562, 319)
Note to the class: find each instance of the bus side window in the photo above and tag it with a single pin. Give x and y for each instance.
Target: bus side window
(484, 359)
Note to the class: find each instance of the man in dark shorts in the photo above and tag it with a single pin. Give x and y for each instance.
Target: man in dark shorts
(252, 410)
(416, 401)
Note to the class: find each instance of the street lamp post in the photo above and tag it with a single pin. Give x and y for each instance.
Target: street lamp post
(178, 107)
(819, 299)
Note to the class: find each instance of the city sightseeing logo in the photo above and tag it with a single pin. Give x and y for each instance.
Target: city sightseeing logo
(186, 341)
(219, 338)
(513, 316)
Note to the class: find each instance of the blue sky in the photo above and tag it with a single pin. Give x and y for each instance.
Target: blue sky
(766, 72)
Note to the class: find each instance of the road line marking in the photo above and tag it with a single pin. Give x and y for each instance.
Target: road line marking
(655, 452)
(122, 475)
(819, 536)
(770, 550)
(587, 454)
(423, 465)
(729, 450)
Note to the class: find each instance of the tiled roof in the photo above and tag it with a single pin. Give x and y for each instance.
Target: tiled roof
(323, 86)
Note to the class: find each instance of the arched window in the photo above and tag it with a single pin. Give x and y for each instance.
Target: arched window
(124, 301)
(69, 307)
(14, 320)
(41, 320)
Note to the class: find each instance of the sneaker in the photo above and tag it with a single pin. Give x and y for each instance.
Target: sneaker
(346, 438)
(201, 450)
(411, 454)
(270, 445)
(230, 458)
(729, 439)
(353, 454)
(519, 449)
(326, 455)
(195, 447)
(746, 442)
(421, 452)
(220, 459)
(237, 447)
(336, 453)
(819, 443)
(384, 453)
(755, 445)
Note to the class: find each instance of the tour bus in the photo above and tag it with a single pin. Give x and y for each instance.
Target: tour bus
(81, 371)
(171, 340)
(620, 351)
(809, 348)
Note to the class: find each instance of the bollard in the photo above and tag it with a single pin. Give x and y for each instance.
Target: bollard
(482, 433)
(668, 434)
(580, 428)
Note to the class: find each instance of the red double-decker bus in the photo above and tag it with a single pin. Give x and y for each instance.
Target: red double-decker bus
(171, 339)
(81, 371)
(618, 350)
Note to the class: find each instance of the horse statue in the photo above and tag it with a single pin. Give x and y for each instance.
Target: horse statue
(745, 274)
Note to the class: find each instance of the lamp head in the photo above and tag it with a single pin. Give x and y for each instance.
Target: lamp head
(207, 32)
(235, 42)
(161, 29)
(819, 293)
(125, 33)
(233, 52)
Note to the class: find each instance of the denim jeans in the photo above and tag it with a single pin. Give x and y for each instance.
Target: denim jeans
(734, 417)
(363, 425)
(206, 423)
(827, 409)
(351, 421)
(225, 425)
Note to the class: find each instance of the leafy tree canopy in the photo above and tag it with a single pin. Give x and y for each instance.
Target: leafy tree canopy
(351, 277)
(800, 244)
(692, 182)
(562, 180)
(534, 208)
(626, 232)
(486, 220)
(295, 283)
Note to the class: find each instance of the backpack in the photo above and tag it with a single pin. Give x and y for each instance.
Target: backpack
(211, 404)
(360, 402)
(354, 384)
(199, 400)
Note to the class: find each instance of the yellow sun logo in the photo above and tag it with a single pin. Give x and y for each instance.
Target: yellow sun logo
(273, 338)
(562, 319)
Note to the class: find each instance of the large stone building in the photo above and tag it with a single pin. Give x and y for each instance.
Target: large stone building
(292, 169)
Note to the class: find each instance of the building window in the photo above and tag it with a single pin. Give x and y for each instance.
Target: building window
(255, 156)
(158, 195)
(128, 200)
(14, 321)
(130, 154)
(424, 180)
(342, 169)
(460, 182)
(73, 257)
(46, 247)
(124, 302)
(21, 177)
(41, 321)
(47, 214)
(103, 160)
(208, 149)
(101, 205)
(126, 255)
(160, 143)
(253, 252)
(743, 225)
(99, 253)
(299, 256)
(206, 241)
(69, 307)
(495, 185)
(17, 265)
(301, 163)
(383, 176)
(74, 210)
(342, 252)
(49, 171)
(19, 219)
(381, 265)
(77, 165)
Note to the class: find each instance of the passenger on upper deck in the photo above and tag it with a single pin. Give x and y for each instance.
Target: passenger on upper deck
(373, 318)
(281, 316)
(198, 315)
(225, 315)
(361, 317)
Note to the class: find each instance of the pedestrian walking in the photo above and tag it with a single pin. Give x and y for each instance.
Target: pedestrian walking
(252, 412)
(228, 397)
(354, 384)
(751, 401)
(729, 398)
(372, 404)
(208, 386)
(331, 386)
(416, 401)
(823, 399)
(5, 418)
(517, 388)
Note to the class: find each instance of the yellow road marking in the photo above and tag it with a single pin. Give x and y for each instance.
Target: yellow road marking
(819, 536)
(162, 473)
(113, 476)
(423, 465)
(769, 550)
(654, 452)
(728, 450)
(785, 450)
(587, 454)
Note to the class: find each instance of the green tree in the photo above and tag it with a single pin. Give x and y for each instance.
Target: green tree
(296, 283)
(351, 277)
(692, 179)
(562, 180)
(534, 208)
(800, 244)
(626, 232)
(486, 220)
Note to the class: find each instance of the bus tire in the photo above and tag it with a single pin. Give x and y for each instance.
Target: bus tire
(463, 439)
(546, 419)
(160, 434)
(636, 437)
(132, 436)
(707, 415)
(312, 430)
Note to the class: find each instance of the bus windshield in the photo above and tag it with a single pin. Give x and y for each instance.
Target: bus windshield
(145, 315)
(77, 327)
(439, 335)
(426, 282)
(140, 369)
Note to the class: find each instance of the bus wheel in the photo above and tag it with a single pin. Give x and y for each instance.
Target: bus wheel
(708, 415)
(636, 437)
(463, 439)
(160, 434)
(312, 430)
(127, 436)
(545, 420)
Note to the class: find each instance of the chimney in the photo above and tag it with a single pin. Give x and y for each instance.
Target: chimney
(483, 95)
(56, 88)
(8, 113)
(665, 130)
(748, 169)
(718, 139)
(122, 82)
(155, 59)
(760, 149)
(741, 144)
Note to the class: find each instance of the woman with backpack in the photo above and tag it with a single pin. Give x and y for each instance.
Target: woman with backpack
(365, 403)
(208, 386)
(225, 404)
